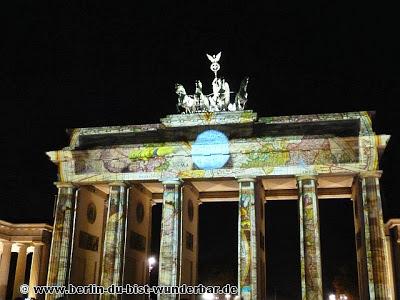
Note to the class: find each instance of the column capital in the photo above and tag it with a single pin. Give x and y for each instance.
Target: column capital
(37, 243)
(60, 184)
(6, 242)
(306, 176)
(21, 245)
(370, 174)
(117, 183)
(246, 178)
(175, 181)
(198, 201)
(393, 223)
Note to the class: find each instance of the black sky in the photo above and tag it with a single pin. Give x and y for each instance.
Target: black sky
(73, 64)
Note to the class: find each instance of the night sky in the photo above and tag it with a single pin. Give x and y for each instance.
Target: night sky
(70, 64)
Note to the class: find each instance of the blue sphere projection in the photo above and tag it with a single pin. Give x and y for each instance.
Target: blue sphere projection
(210, 150)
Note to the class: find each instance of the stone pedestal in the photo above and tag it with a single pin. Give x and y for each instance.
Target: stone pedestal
(4, 268)
(170, 237)
(114, 239)
(310, 252)
(251, 247)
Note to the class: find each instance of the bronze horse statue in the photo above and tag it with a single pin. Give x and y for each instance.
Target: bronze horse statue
(241, 96)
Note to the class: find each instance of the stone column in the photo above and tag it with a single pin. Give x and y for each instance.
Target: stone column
(114, 239)
(138, 247)
(169, 260)
(310, 252)
(20, 270)
(189, 239)
(390, 266)
(395, 247)
(44, 263)
(59, 261)
(5, 268)
(359, 240)
(372, 254)
(260, 214)
(35, 268)
(249, 277)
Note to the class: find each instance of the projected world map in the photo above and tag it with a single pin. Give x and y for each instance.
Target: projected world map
(210, 150)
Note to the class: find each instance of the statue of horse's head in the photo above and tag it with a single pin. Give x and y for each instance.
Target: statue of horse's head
(179, 89)
(198, 84)
(244, 83)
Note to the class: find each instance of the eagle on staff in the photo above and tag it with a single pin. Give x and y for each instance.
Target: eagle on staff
(214, 62)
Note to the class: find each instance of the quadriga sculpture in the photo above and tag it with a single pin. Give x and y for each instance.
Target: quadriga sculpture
(218, 100)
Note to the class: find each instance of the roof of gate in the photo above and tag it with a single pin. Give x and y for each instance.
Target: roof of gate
(222, 145)
(234, 125)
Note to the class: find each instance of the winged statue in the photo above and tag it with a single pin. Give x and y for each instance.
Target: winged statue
(214, 58)
(214, 62)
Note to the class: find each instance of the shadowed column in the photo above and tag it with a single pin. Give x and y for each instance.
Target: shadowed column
(393, 236)
(138, 245)
(251, 248)
(59, 262)
(310, 253)
(392, 289)
(20, 270)
(35, 268)
(4, 268)
(114, 239)
(170, 237)
(189, 239)
(372, 254)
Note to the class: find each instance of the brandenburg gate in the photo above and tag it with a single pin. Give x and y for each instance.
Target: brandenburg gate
(109, 178)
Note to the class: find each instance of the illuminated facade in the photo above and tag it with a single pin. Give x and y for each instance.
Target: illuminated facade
(23, 240)
(109, 178)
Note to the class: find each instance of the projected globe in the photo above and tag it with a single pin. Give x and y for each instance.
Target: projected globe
(210, 150)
